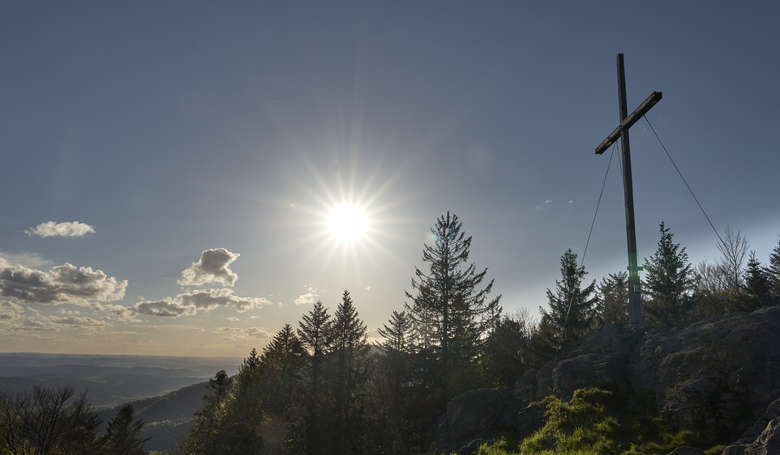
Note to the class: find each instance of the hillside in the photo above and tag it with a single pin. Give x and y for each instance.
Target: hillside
(168, 417)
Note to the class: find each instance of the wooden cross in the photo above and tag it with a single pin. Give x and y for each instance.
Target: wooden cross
(621, 131)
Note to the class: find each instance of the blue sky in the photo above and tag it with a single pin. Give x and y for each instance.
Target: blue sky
(177, 128)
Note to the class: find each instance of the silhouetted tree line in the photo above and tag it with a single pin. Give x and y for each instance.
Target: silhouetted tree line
(321, 388)
(55, 422)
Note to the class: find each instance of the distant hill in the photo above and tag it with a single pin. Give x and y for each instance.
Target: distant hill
(167, 418)
(108, 380)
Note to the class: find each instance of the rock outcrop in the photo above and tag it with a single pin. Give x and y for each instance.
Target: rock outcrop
(716, 375)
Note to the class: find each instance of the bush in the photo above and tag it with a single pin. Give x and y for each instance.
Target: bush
(598, 422)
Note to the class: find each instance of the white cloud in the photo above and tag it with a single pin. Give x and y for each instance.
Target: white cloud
(548, 201)
(212, 266)
(234, 333)
(232, 319)
(310, 297)
(65, 229)
(189, 303)
(26, 259)
(65, 283)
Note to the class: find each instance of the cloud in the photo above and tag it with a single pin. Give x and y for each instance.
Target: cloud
(310, 297)
(9, 311)
(548, 201)
(234, 333)
(26, 259)
(65, 283)
(232, 319)
(78, 321)
(37, 322)
(212, 266)
(167, 307)
(66, 229)
(189, 303)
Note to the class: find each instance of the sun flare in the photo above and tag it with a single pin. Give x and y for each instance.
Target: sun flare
(348, 223)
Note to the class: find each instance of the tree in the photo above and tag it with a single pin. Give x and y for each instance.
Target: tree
(208, 427)
(571, 307)
(282, 361)
(612, 307)
(669, 281)
(757, 281)
(314, 331)
(773, 271)
(49, 421)
(396, 372)
(449, 307)
(508, 352)
(734, 250)
(123, 434)
(349, 353)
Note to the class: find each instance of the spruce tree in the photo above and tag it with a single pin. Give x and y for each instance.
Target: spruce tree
(757, 281)
(571, 307)
(123, 434)
(349, 353)
(668, 282)
(396, 363)
(282, 360)
(396, 333)
(613, 305)
(207, 429)
(314, 331)
(507, 352)
(773, 270)
(450, 306)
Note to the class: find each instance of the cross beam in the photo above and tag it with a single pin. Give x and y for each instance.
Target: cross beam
(634, 117)
(621, 131)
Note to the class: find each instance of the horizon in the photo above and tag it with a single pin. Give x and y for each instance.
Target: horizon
(182, 181)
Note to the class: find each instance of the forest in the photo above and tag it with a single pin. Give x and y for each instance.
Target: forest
(320, 387)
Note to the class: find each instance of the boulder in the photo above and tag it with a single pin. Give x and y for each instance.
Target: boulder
(766, 443)
(481, 414)
(686, 451)
(717, 375)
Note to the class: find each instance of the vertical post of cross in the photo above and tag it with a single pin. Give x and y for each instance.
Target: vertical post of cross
(634, 285)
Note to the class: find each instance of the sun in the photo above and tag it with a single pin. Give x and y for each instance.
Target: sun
(348, 223)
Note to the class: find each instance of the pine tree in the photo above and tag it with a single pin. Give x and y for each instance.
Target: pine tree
(123, 434)
(571, 308)
(244, 408)
(349, 352)
(507, 352)
(773, 270)
(207, 429)
(282, 361)
(396, 333)
(757, 281)
(314, 331)
(613, 306)
(669, 281)
(449, 307)
(396, 370)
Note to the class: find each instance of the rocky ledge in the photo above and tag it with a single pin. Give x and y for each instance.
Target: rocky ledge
(715, 374)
